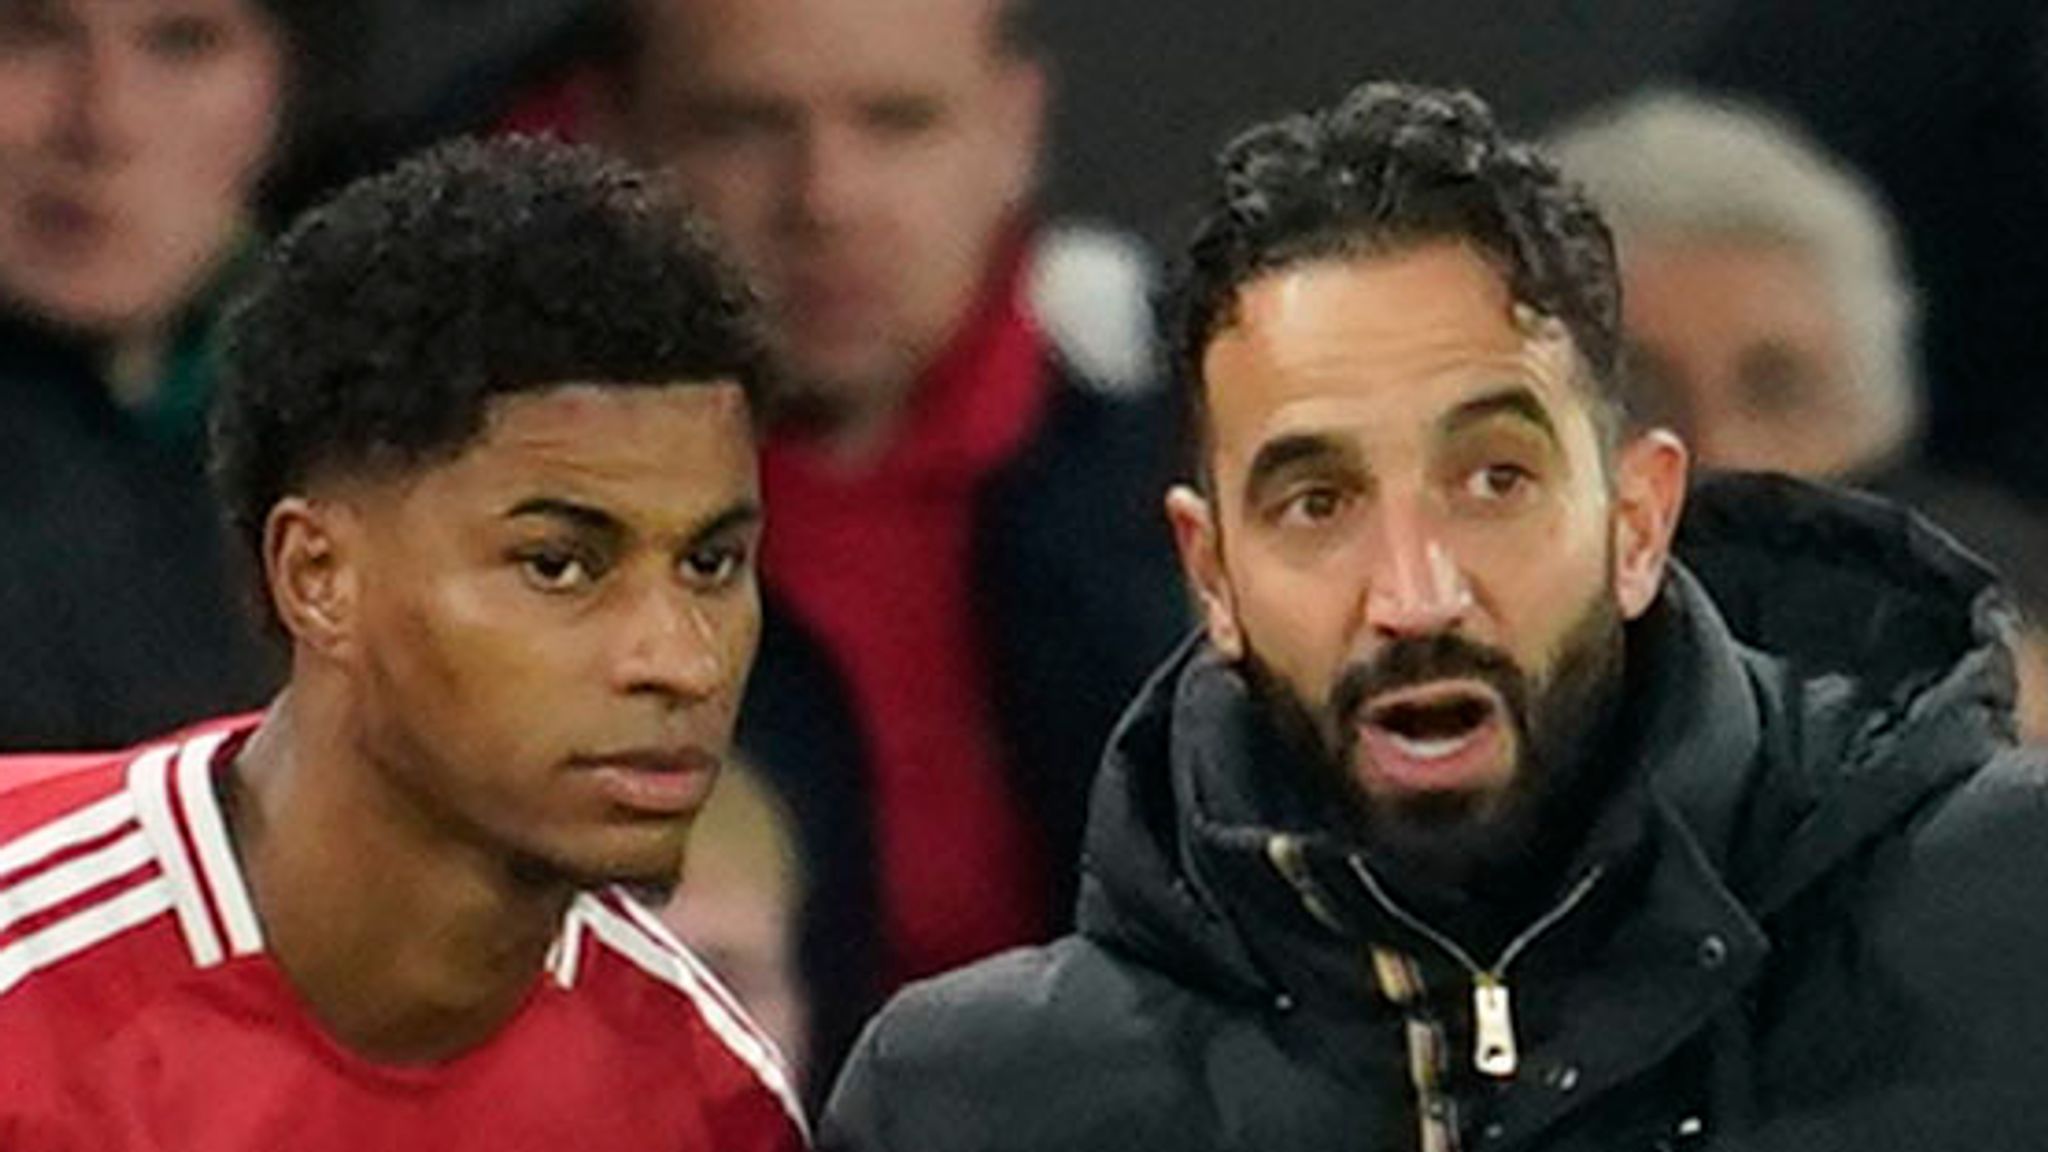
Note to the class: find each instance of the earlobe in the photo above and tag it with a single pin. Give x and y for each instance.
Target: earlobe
(1650, 479)
(1201, 558)
(306, 565)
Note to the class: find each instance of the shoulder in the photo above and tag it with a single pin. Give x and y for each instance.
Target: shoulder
(1997, 818)
(94, 923)
(1957, 906)
(663, 980)
(76, 865)
(1927, 990)
(1072, 988)
(93, 845)
(1014, 1045)
(39, 789)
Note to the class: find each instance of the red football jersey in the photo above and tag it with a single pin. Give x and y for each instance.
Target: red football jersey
(139, 1010)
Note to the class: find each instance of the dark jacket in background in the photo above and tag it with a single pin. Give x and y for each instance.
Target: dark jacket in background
(1815, 915)
(1076, 581)
(122, 612)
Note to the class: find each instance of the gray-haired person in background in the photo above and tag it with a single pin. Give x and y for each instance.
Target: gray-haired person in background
(1769, 313)
(1771, 320)
(1475, 819)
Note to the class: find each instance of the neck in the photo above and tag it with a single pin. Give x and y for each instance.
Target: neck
(408, 944)
(854, 428)
(134, 364)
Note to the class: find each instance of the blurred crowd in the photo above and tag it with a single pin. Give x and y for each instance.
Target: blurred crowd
(967, 572)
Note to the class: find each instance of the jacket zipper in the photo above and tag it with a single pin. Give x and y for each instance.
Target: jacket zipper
(1494, 1051)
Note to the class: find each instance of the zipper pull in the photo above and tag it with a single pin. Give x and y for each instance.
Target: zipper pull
(1493, 1049)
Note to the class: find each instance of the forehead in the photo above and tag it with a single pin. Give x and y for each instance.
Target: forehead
(1378, 344)
(1727, 288)
(637, 452)
(816, 46)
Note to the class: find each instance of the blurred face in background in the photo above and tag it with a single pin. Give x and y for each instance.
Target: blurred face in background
(1738, 346)
(863, 157)
(132, 137)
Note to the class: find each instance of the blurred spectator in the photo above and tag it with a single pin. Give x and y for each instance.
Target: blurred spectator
(1945, 107)
(1769, 320)
(967, 569)
(737, 905)
(133, 137)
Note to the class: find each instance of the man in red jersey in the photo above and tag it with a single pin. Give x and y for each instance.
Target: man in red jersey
(488, 431)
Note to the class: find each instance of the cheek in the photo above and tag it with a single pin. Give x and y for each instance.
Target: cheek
(738, 189)
(28, 107)
(465, 667)
(1530, 575)
(1299, 617)
(957, 195)
(222, 133)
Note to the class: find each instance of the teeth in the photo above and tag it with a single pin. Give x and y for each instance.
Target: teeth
(1430, 749)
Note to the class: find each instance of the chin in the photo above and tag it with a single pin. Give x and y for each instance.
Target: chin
(635, 858)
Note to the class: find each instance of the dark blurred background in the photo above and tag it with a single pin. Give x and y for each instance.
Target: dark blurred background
(1943, 104)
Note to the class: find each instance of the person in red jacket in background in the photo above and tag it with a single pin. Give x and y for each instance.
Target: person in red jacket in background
(487, 426)
(967, 574)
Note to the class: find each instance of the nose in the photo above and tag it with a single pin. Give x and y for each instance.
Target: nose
(670, 648)
(1416, 587)
(830, 177)
(100, 105)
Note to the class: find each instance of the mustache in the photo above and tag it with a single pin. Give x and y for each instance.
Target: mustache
(1413, 660)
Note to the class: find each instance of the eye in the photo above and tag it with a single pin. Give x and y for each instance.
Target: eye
(904, 116)
(732, 121)
(1312, 506)
(1495, 483)
(715, 566)
(557, 572)
(184, 38)
(22, 30)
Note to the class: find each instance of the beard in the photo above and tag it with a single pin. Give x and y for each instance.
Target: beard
(1458, 840)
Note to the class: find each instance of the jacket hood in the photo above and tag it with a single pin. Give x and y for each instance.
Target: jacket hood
(1819, 665)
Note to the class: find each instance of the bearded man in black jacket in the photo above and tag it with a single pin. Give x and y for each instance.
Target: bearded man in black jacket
(1474, 820)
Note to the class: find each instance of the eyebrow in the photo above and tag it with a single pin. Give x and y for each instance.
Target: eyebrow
(1283, 452)
(580, 515)
(1515, 402)
(742, 515)
(739, 515)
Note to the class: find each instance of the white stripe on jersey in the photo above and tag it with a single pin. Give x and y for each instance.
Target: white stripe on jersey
(77, 933)
(149, 783)
(566, 957)
(210, 837)
(88, 823)
(706, 978)
(72, 879)
(657, 959)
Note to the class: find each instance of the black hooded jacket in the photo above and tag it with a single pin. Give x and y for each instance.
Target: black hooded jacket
(1812, 913)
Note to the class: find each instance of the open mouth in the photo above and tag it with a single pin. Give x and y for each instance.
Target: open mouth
(1435, 722)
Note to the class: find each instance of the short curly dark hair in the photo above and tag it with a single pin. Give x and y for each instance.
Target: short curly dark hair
(1389, 167)
(385, 322)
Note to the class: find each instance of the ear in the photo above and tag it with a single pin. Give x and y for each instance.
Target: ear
(1201, 559)
(1649, 494)
(309, 562)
